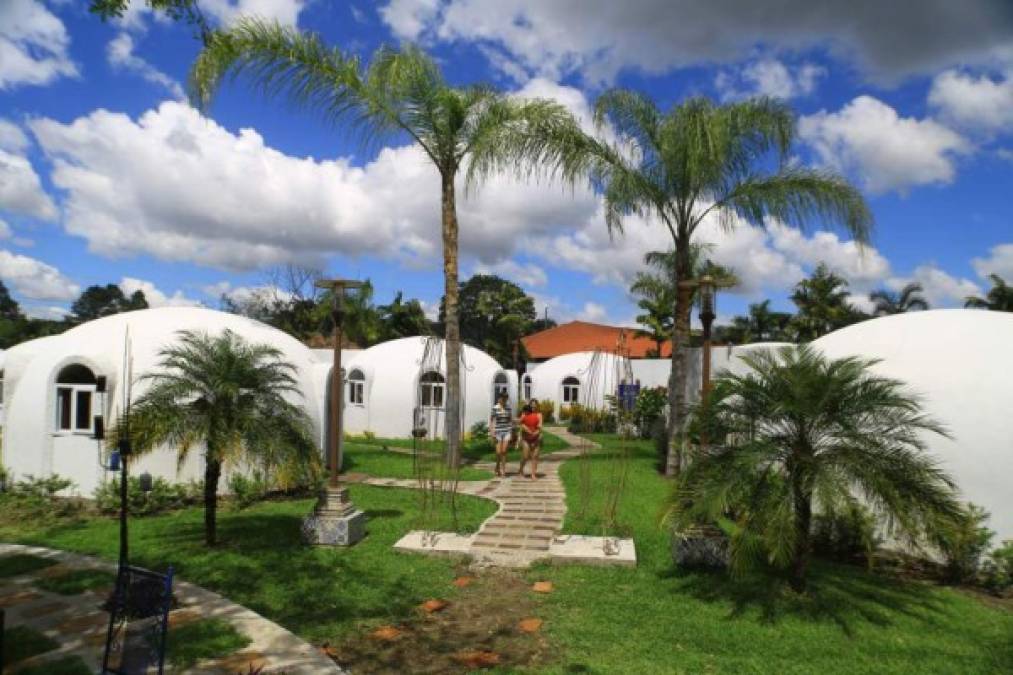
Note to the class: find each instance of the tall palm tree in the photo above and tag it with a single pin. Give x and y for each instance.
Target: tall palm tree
(822, 302)
(798, 433)
(399, 94)
(907, 299)
(761, 324)
(692, 161)
(999, 298)
(233, 398)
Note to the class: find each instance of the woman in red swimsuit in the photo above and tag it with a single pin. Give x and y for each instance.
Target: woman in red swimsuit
(531, 437)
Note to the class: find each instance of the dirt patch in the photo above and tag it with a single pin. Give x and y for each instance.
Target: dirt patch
(479, 628)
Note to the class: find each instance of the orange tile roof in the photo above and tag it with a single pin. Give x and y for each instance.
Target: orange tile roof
(580, 336)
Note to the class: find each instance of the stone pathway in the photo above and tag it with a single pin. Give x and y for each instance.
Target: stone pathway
(77, 624)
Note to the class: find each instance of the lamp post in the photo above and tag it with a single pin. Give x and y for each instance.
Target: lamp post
(335, 521)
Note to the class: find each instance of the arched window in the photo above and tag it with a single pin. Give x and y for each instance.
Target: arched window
(571, 390)
(526, 381)
(432, 385)
(356, 387)
(500, 386)
(75, 389)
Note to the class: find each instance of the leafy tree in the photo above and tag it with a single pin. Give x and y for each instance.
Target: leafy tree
(494, 314)
(695, 159)
(10, 310)
(403, 319)
(401, 93)
(98, 301)
(998, 299)
(233, 398)
(760, 325)
(798, 433)
(179, 10)
(909, 298)
(822, 302)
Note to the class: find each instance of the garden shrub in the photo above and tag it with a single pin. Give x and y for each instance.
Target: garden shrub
(963, 541)
(548, 410)
(585, 420)
(164, 496)
(479, 430)
(42, 488)
(845, 535)
(247, 490)
(37, 498)
(648, 408)
(997, 570)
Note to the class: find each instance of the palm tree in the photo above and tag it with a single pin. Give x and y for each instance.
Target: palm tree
(801, 433)
(999, 297)
(822, 302)
(400, 94)
(761, 324)
(403, 319)
(697, 159)
(230, 396)
(907, 299)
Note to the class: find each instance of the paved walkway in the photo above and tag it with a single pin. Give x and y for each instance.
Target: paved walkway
(77, 624)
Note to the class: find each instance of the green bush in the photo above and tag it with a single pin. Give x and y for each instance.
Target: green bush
(585, 420)
(37, 498)
(548, 410)
(479, 430)
(42, 488)
(845, 535)
(997, 570)
(648, 408)
(963, 541)
(248, 490)
(164, 496)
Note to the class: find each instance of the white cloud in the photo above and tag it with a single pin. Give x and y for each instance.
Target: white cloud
(886, 151)
(593, 311)
(975, 103)
(769, 77)
(120, 53)
(48, 312)
(21, 189)
(523, 274)
(35, 279)
(33, 45)
(999, 261)
(598, 38)
(862, 267)
(245, 294)
(5, 230)
(940, 288)
(178, 186)
(154, 296)
(228, 11)
(12, 138)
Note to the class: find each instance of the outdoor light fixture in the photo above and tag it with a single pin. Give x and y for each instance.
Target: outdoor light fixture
(335, 521)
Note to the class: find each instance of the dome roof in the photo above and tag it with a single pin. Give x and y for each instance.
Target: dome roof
(960, 362)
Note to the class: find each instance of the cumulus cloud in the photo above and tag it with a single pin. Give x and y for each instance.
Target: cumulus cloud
(940, 288)
(12, 138)
(21, 189)
(999, 261)
(33, 45)
(285, 12)
(34, 279)
(523, 274)
(178, 186)
(593, 311)
(769, 77)
(154, 296)
(887, 151)
(597, 38)
(120, 53)
(980, 104)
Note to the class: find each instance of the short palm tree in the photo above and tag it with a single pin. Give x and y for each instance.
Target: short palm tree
(822, 302)
(999, 298)
(804, 433)
(907, 299)
(693, 160)
(400, 94)
(231, 397)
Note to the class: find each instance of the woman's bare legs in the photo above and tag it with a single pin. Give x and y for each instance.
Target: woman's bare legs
(501, 456)
(536, 448)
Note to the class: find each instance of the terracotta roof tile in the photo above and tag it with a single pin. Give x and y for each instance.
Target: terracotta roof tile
(579, 336)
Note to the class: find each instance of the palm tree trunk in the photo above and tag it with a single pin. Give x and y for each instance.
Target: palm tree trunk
(678, 375)
(212, 472)
(803, 523)
(453, 329)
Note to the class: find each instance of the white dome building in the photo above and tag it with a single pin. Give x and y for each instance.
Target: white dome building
(961, 363)
(385, 385)
(56, 388)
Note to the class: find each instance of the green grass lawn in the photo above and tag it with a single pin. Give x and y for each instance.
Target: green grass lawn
(474, 450)
(22, 642)
(656, 619)
(319, 593)
(374, 460)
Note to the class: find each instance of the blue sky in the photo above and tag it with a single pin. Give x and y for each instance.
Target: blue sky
(106, 175)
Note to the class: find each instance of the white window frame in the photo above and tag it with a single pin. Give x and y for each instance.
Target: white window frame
(76, 390)
(571, 392)
(357, 388)
(431, 388)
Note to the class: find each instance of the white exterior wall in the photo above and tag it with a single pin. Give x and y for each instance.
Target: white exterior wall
(31, 445)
